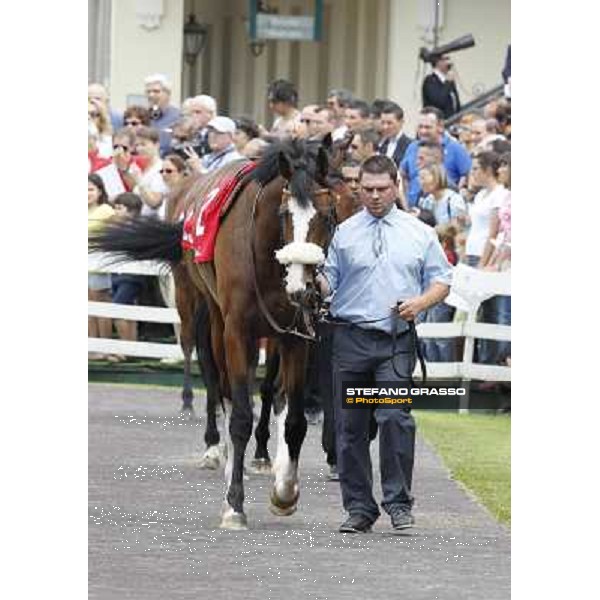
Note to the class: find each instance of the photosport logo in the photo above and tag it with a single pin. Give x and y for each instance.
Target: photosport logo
(431, 395)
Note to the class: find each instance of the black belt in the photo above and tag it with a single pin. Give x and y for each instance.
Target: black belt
(411, 330)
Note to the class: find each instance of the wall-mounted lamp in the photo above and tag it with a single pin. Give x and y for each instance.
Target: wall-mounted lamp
(257, 47)
(195, 36)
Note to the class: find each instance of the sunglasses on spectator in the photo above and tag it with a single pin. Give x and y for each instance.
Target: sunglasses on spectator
(133, 123)
(93, 115)
(121, 147)
(167, 171)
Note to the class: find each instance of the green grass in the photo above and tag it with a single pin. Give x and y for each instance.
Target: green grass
(476, 450)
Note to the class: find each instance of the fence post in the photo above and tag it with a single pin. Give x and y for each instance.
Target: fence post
(467, 361)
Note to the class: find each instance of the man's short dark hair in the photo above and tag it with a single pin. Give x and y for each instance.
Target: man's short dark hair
(282, 90)
(248, 126)
(344, 97)
(378, 165)
(433, 110)
(361, 106)
(393, 108)
(369, 135)
(377, 106)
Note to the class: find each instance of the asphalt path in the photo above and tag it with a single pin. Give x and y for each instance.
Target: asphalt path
(154, 515)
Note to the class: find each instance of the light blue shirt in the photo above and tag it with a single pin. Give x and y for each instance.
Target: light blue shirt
(365, 286)
(215, 160)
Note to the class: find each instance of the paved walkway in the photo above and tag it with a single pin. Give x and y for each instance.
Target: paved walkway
(154, 516)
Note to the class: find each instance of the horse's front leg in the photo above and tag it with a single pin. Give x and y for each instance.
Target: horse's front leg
(238, 423)
(291, 428)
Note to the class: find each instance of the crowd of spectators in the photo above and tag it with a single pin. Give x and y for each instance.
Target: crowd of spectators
(457, 179)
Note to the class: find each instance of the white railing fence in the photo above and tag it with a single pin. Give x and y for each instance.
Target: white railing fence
(470, 287)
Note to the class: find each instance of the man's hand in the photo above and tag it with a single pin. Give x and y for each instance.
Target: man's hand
(193, 161)
(323, 284)
(410, 308)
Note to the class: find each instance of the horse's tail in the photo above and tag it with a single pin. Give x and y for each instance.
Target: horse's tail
(140, 238)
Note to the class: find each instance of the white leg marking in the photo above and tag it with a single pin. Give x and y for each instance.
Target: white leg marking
(228, 444)
(230, 519)
(285, 478)
(211, 459)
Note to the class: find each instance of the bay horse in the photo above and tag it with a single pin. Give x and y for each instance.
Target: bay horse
(192, 308)
(265, 254)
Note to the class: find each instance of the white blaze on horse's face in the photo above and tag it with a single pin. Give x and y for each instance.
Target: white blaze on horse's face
(299, 253)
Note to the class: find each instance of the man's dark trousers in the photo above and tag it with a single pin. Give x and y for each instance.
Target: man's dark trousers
(324, 350)
(365, 356)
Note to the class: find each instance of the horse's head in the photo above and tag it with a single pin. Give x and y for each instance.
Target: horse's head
(307, 215)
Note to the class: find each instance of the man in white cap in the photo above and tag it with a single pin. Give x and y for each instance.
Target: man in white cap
(220, 140)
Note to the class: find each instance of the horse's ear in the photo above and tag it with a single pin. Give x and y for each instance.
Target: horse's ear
(322, 164)
(285, 166)
(328, 141)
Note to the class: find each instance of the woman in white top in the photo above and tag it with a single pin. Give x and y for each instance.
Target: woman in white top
(98, 115)
(485, 225)
(447, 206)
(149, 183)
(483, 212)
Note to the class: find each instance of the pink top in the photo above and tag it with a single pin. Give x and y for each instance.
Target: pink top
(504, 216)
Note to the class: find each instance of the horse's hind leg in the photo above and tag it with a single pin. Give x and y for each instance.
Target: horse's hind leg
(185, 301)
(291, 428)
(262, 460)
(212, 456)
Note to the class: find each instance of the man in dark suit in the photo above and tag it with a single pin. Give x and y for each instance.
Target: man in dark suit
(394, 143)
(439, 88)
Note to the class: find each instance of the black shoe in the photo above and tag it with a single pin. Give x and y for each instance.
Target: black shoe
(401, 518)
(356, 524)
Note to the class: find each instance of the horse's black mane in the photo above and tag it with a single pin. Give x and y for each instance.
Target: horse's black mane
(302, 156)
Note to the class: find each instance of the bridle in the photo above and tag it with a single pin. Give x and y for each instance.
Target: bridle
(310, 298)
(307, 304)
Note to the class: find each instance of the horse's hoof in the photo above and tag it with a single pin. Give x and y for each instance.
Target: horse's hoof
(284, 508)
(188, 413)
(233, 520)
(260, 466)
(211, 459)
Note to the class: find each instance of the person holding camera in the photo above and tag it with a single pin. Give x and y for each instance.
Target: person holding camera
(439, 87)
(220, 139)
